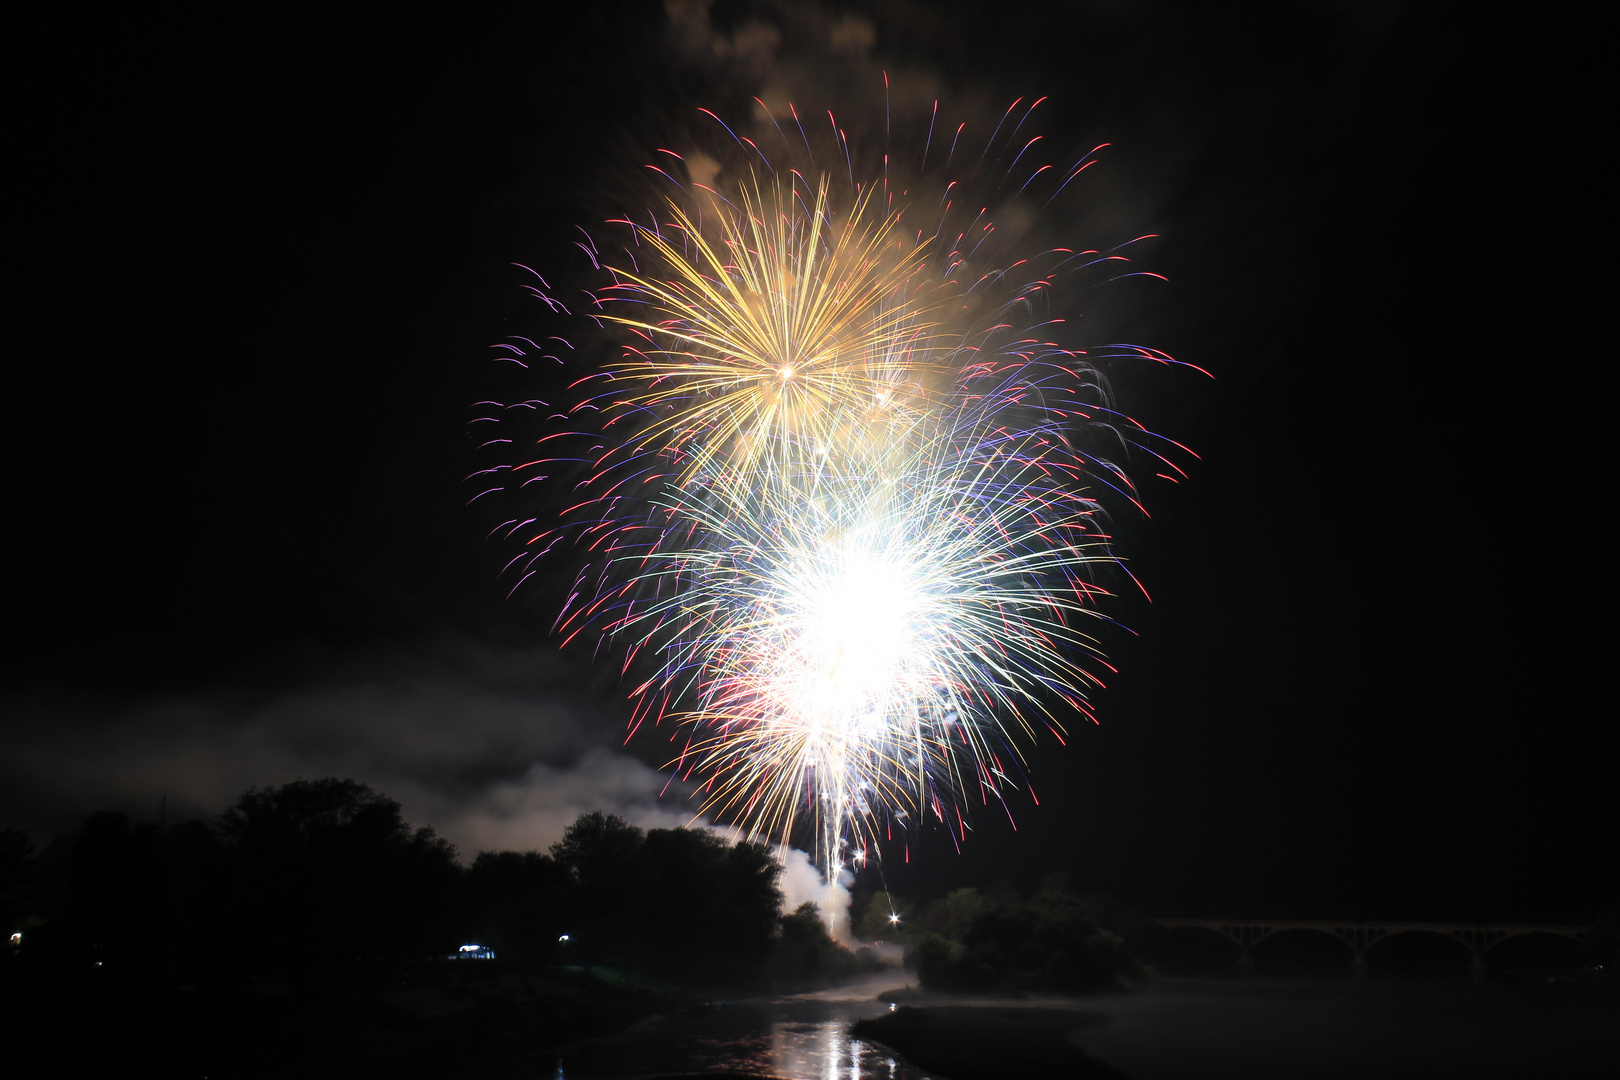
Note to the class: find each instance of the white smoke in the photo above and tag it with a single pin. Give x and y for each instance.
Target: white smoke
(533, 812)
(802, 883)
(799, 51)
(489, 747)
(478, 744)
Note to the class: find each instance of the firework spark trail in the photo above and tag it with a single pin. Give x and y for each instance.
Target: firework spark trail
(836, 496)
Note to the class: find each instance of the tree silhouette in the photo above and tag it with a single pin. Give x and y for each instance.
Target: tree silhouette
(717, 904)
(876, 922)
(327, 872)
(803, 951)
(16, 878)
(106, 900)
(598, 852)
(518, 904)
(965, 942)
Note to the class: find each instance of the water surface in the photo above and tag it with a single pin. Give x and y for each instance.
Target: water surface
(1256, 1028)
(803, 1037)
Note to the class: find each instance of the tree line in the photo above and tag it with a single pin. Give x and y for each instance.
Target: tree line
(316, 882)
(319, 881)
(1053, 941)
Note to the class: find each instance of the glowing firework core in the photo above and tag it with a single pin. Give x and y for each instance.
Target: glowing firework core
(849, 615)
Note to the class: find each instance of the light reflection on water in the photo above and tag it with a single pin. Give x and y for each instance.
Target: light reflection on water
(826, 1051)
(1261, 1029)
(799, 1038)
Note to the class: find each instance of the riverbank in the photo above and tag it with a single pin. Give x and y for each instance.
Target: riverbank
(426, 1022)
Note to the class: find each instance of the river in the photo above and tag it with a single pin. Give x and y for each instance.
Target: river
(1255, 1028)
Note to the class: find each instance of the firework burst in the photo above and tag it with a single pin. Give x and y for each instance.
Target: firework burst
(838, 503)
(882, 644)
(792, 326)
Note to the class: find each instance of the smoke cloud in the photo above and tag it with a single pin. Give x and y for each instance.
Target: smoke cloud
(489, 747)
(802, 883)
(804, 53)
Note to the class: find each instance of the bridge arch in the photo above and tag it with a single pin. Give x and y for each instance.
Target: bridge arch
(1477, 939)
(1425, 948)
(1302, 947)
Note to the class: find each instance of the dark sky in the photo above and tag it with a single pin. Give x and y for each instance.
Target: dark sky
(263, 266)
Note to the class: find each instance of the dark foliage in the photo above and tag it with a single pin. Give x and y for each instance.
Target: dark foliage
(679, 905)
(517, 904)
(804, 952)
(1056, 942)
(16, 872)
(716, 906)
(599, 854)
(320, 882)
(308, 931)
(325, 873)
(1602, 948)
(313, 880)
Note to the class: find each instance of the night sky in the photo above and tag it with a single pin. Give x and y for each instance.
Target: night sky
(261, 268)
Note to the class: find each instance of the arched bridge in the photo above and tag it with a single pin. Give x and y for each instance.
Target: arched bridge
(1478, 937)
